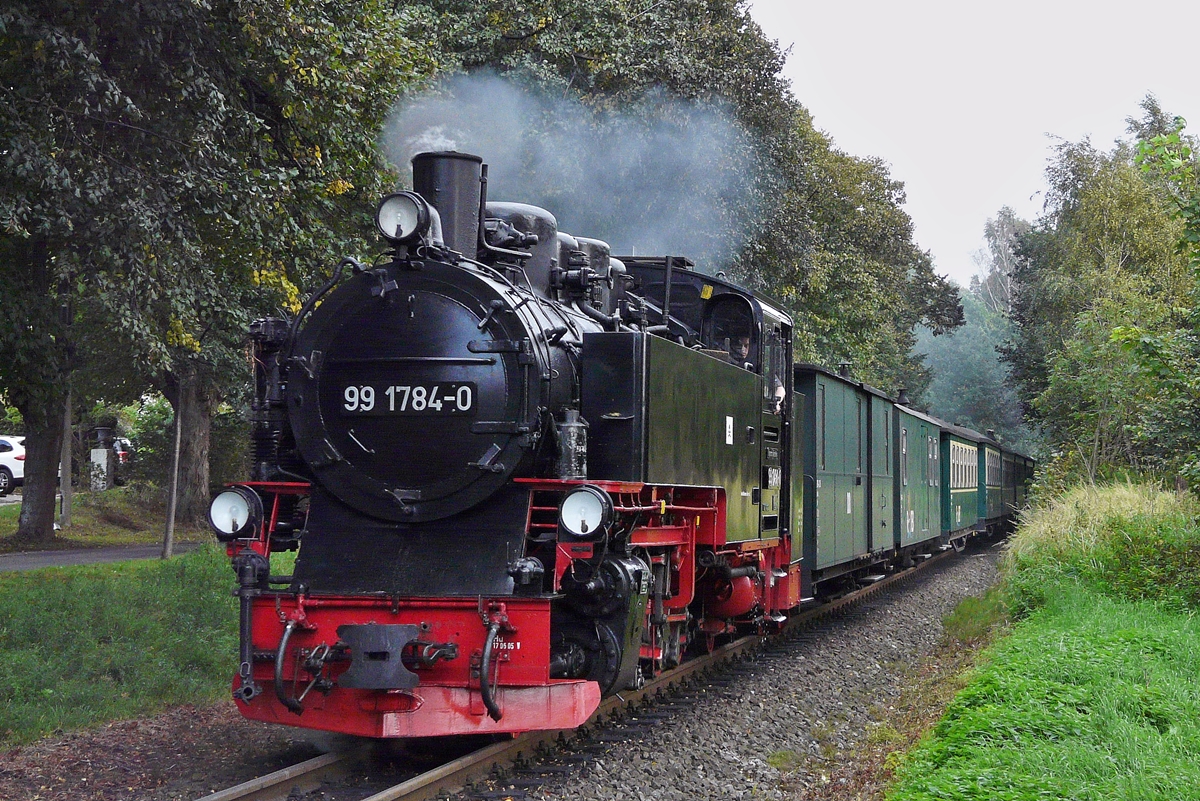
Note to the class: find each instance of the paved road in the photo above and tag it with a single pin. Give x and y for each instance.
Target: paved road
(32, 560)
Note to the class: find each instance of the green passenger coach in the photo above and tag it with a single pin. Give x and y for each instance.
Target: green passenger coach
(962, 484)
(919, 483)
(848, 456)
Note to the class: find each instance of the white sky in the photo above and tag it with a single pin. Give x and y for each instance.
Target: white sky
(958, 97)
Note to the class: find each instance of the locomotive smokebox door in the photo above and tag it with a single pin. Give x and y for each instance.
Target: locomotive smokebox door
(413, 406)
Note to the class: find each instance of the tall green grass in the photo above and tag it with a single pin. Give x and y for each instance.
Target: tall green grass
(1089, 698)
(93, 643)
(1124, 540)
(1096, 692)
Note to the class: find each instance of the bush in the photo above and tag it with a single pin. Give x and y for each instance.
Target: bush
(152, 430)
(1127, 540)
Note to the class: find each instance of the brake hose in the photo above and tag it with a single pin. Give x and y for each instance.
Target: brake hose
(485, 671)
(290, 703)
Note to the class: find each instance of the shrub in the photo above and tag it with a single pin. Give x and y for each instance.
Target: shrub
(1127, 540)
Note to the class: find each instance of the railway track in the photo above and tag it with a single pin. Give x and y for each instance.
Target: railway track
(296, 780)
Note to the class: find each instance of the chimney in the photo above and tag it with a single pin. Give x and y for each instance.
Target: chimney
(449, 182)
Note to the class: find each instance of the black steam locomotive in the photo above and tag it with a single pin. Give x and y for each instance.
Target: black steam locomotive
(523, 473)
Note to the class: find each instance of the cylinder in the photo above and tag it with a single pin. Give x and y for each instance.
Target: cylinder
(449, 182)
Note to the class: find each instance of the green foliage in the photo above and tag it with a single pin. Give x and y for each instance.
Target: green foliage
(76, 654)
(863, 285)
(1130, 541)
(1090, 698)
(12, 420)
(173, 169)
(975, 617)
(1103, 258)
(970, 384)
(1168, 355)
(151, 428)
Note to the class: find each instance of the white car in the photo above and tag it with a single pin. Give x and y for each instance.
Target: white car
(12, 463)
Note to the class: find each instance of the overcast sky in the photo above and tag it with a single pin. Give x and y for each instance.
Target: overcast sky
(959, 97)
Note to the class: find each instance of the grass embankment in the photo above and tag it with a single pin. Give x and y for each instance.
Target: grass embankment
(132, 515)
(93, 643)
(1095, 694)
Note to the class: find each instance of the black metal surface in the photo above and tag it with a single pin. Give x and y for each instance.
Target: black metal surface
(375, 662)
(467, 554)
(613, 403)
(601, 623)
(430, 333)
(535, 221)
(450, 183)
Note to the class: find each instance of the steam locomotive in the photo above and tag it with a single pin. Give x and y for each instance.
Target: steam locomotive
(522, 474)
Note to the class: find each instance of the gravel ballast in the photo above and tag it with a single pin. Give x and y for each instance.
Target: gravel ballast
(781, 728)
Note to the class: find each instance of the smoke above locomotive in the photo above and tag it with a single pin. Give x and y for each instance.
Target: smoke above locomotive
(660, 175)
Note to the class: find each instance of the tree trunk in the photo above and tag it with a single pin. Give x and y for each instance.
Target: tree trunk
(194, 402)
(43, 446)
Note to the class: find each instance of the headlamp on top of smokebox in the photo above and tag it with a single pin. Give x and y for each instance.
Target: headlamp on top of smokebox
(402, 217)
(586, 513)
(236, 513)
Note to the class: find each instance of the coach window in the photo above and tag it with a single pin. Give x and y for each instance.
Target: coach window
(937, 473)
(904, 456)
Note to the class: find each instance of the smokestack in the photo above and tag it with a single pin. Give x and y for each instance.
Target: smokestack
(844, 369)
(449, 181)
(902, 398)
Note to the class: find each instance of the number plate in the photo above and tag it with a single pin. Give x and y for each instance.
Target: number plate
(457, 399)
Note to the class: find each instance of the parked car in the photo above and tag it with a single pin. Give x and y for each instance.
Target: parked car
(122, 450)
(12, 463)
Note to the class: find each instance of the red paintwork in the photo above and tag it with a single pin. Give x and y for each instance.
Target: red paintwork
(668, 525)
(447, 690)
(733, 598)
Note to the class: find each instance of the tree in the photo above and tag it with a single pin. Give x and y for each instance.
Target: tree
(168, 165)
(1098, 280)
(1103, 222)
(999, 261)
(1169, 354)
(822, 231)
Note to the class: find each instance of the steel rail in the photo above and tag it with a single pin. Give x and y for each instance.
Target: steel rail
(481, 764)
(303, 776)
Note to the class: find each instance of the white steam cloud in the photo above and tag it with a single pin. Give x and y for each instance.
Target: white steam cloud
(662, 177)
